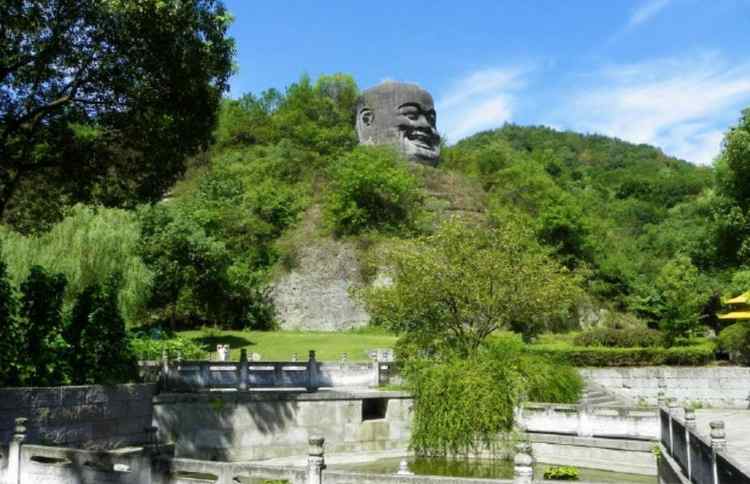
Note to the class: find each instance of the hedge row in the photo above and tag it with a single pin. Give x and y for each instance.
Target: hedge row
(694, 355)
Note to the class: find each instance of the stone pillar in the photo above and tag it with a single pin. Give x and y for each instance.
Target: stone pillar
(14, 452)
(375, 382)
(718, 437)
(672, 404)
(689, 418)
(315, 460)
(661, 398)
(585, 426)
(523, 470)
(312, 372)
(689, 427)
(718, 443)
(243, 367)
(164, 369)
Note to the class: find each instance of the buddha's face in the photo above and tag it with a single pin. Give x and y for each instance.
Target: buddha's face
(402, 115)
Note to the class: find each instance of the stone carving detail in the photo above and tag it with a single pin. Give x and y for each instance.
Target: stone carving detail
(402, 115)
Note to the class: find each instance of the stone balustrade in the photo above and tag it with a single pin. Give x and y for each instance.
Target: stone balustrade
(590, 421)
(688, 456)
(184, 375)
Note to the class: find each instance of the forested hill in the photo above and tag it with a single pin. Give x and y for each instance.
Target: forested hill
(623, 169)
(650, 235)
(628, 213)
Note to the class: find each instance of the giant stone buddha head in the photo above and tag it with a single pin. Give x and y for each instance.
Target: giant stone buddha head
(402, 115)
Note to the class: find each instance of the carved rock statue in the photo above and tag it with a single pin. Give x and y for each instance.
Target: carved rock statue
(402, 115)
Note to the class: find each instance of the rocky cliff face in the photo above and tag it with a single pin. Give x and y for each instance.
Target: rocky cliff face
(315, 294)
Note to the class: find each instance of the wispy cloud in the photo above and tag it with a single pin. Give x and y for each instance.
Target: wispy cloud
(480, 100)
(646, 12)
(681, 105)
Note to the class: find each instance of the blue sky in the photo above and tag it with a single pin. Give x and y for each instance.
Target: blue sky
(672, 73)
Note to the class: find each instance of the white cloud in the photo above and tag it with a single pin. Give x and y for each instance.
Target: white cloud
(681, 105)
(481, 100)
(646, 12)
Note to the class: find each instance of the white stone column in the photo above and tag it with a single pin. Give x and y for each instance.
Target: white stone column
(14, 452)
(315, 460)
(523, 470)
(718, 443)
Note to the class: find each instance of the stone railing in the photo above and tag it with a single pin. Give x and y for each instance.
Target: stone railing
(182, 375)
(690, 457)
(589, 421)
(152, 463)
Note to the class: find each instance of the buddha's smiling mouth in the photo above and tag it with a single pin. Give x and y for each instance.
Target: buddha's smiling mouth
(422, 139)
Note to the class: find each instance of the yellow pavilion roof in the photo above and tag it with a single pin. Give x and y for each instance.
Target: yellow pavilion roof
(735, 315)
(741, 299)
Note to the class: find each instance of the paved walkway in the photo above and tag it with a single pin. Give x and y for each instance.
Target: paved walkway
(736, 426)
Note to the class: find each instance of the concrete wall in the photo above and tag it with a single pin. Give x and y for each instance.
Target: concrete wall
(79, 416)
(237, 426)
(721, 387)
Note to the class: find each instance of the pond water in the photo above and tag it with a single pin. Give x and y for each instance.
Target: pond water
(487, 469)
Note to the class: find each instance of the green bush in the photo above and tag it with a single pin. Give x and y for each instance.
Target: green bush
(621, 338)
(549, 381)
(149, 346)
(41, 358)
(10, 331)
(101, 353)
(561, 473)
(463, 404)
(578, 356)
(371, 188)
(735, 340)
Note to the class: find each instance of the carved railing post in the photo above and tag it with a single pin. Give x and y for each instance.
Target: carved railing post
(14, 452)
(672, 410)
(243, 368)
(312, 372)
(690, 427)
(315, 460)
(164, 369)
(718, 443)
(523, 470)
(661, 396)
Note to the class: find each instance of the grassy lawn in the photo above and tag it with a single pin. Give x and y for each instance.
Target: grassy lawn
(279, 345)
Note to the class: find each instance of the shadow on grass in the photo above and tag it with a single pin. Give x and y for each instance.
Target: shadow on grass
(209, 342)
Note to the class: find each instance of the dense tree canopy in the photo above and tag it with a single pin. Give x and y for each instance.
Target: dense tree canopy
(103, 100)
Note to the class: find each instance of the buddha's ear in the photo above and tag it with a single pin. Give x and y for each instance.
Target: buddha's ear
(366, 116)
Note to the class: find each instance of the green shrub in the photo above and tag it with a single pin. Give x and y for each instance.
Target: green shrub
(42, 361)
(149, 346)
(579, 356)
(735, 340)
(10, 331)
(621, 338)
(549, 381)
(561, 473)
(463, 404)
(98, 337)
(371, 188)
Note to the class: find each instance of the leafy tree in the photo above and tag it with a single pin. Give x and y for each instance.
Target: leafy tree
(103, 100)
(106, 356)
(371, 187)
(455, 288)
(42, 354)
(10, 331)
(682, 298)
